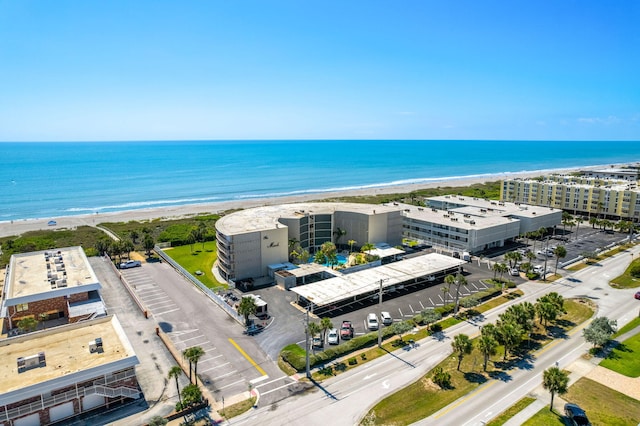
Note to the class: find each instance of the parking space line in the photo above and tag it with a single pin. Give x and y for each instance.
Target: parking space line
(420, 301)
(432, 302)
(225, 375)
(195, 337)
(212, 358)
(158, 297)
(260, 370)
(166, 312)
(214, 368)
(411, 307)
(400, 310)
(232, 384)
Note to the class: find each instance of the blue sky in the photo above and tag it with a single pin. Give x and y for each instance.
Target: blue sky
(167, 70)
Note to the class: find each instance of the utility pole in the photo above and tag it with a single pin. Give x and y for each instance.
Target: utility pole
(546, 256)
(306, 333)
(379, 312)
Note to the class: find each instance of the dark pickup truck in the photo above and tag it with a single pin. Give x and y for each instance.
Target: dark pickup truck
(346, 330)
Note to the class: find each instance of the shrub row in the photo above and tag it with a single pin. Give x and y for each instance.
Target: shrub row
(297, 359)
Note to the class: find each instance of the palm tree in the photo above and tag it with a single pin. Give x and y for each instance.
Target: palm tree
(186, 354)
(313, 329)
(509, 334)
(247, 307)
(555, 381)
(192, 239)
(351, 244)
(366, 248)
(193, 354)
(134, 236)
(560, 252)
(325, 324)
(339, 233)
(461, 346)
(487, 345)
(449, 280)
(459, 280)
(127, 247)
(148, 244)
(579, 220)
(174, 373)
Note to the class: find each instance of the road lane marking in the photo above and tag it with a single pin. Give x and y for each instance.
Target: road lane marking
(244, 354)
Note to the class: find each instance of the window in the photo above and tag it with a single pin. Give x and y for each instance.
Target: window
(21, 307)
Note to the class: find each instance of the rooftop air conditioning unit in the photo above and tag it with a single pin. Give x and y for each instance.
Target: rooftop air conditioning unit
(31, 361)
(96, 345)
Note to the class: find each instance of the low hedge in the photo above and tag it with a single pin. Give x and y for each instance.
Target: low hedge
(296, 357)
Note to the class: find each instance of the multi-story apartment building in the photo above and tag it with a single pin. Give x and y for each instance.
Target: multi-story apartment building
(600, 196)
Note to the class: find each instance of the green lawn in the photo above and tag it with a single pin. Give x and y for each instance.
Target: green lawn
(625, 358)
(626, 280)
(545, 417)
(511, 411)
(628, 327)
(618, 410)
(194, 258)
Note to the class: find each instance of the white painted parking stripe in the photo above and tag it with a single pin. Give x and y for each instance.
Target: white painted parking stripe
(432, 302)
(400, 310)
(166, 312)
(225, 375)
(232, 384)
(158, 297)
(411, 307)
(195, 337)
(420, 301)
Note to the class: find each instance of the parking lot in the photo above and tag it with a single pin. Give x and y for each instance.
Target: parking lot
(586, 239)
(287, 322)
(232, 362)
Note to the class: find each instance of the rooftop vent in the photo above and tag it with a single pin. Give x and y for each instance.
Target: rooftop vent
(32, 361)
(96, 345)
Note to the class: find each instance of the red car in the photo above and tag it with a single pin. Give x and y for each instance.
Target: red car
(637, 296)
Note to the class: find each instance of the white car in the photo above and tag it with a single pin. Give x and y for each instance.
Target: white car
(130, 264)
(386, 318)
(372, 322)
(332, 337)
(514, 272)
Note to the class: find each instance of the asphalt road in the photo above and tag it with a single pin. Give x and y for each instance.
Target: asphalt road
(345, 398)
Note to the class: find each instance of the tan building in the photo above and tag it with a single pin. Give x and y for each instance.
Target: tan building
(59, 373)
(608, 198)
(50, 285)
(471, 224)
(251, 240)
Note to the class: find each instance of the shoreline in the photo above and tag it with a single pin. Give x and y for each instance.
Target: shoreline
(17, 227)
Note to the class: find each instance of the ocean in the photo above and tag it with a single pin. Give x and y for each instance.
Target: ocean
(53, 179)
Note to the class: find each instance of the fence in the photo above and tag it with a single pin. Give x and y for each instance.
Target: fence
(207, 291)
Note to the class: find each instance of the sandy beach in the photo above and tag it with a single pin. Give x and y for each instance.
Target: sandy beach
(18, 227)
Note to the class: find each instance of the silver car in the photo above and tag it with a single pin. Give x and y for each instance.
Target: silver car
(332, 337)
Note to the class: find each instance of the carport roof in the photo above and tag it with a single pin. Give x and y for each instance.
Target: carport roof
(362, 282)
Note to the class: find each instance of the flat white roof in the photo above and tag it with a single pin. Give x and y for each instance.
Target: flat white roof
(67, 357)
(491, 207)
(45, 274)
(460, 217)
(267, 217)
(336, 289)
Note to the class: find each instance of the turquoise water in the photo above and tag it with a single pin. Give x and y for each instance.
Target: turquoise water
(43, 180)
